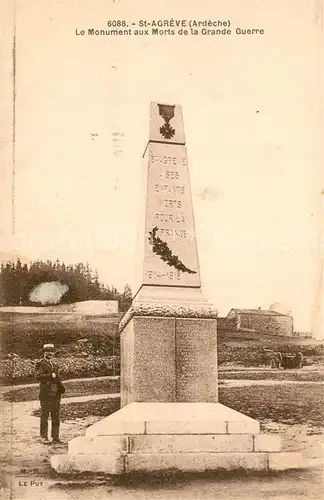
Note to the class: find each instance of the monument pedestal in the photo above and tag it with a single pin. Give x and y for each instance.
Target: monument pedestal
(169, 347)
(153, 437)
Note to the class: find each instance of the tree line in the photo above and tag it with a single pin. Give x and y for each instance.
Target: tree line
(17, 282)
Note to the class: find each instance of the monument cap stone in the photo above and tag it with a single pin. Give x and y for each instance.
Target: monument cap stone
(166, 123)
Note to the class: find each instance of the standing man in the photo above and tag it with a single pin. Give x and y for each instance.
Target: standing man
(50, 391)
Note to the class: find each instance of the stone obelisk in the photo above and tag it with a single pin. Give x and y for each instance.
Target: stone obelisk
(168, 337)
(170, 417)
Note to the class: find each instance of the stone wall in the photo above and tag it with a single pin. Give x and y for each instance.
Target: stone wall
(271, 324)
(227, 324)
(96, 307)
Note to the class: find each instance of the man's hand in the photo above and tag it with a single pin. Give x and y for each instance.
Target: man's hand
(53, 375)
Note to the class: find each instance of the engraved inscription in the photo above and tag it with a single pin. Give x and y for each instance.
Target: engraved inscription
(166, 188)
(171, 160)
(169, 174)
(196, 360)
(152, 274)
(168, 160)
(186, 363)
(174, 234)
(170, 236)
(170, 203)
(179, 219)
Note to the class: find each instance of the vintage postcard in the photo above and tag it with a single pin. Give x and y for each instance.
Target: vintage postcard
(161, 260)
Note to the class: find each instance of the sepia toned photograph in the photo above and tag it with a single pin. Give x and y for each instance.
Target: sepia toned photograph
(161, 249)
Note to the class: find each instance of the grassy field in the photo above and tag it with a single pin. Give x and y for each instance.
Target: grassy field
(296, 375)
(296, 404)
(25, 334)
(21, 371)
(288, 404)
(110, 385)
(80, 387)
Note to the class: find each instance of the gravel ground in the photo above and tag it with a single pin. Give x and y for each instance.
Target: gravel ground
(27, 474)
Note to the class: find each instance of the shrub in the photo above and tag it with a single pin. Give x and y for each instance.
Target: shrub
(13, 371)
(26, 336)
(245, 355)
(252, 353)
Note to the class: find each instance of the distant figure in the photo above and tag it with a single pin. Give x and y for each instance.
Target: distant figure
(12, 355)
(299, 359)
(273, 360)
(276, 360)
(50, 391)
(279, 360)
(268, 357)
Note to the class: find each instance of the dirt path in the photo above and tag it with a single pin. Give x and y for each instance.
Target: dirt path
(18, 421)
(25, 451)
(288, 486)
(7, 388)
(221, 369)
(260, 369)
(247, 382)
(26, 459)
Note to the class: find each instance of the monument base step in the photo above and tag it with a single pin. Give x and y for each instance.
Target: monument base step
(116, 463)
(187, 437)
(176, 443)
(174, 418)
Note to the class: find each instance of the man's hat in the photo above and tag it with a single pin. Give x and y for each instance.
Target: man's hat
(48, 347)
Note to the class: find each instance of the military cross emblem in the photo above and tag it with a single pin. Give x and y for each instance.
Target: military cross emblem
(167, 113)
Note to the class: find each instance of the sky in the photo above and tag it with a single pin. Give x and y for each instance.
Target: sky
(252, 116)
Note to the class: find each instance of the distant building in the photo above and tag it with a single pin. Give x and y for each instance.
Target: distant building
(262, 321)
(96, 307)
(303, 335)
(226, 324)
